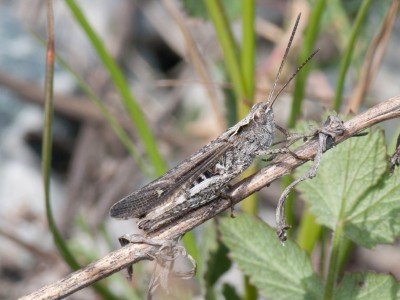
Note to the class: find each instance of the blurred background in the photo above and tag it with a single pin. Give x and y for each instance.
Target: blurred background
(174, 67)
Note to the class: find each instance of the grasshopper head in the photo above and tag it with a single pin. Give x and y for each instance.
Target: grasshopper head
(263, 118)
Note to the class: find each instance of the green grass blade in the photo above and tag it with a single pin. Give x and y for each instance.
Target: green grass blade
(247, 55)
(308, 47)
(339, 20)
(228, 45)
(247, 60)
(111, 120)
(345, 62)
(122, 87)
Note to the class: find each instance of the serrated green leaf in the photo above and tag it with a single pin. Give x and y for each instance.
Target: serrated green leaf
(278, 272)
(377, 220)
(350, 189)
(197, 9)
(367, 286)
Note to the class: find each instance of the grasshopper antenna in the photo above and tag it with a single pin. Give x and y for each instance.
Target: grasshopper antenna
(271, 97)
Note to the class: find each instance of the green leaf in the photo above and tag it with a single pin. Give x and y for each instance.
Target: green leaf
(367, 286)
(376, 220)
(209, 244)
(278, 272)
(214, 261)
(229, 292)
(197, 9)
(217, 265)
(352, 190)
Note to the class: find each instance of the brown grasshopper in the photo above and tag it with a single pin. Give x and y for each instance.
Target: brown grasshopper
(206, 174)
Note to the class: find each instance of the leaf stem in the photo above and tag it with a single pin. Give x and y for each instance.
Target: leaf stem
(334, 262)
(309, 233)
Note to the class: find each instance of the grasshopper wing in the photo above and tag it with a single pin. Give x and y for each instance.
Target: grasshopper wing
(171, 184)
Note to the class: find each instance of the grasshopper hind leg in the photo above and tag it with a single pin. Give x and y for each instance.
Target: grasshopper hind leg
(193, 203)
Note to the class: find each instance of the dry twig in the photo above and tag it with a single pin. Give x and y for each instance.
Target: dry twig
(373, 59)
(198, 62)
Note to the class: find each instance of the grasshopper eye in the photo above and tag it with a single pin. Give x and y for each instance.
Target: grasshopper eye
(258, 116)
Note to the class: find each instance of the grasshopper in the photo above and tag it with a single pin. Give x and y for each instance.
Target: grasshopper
(205, 175)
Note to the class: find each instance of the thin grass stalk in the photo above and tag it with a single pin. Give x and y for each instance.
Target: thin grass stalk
(247, 60)
(47, 153)
(122, 87)
(345, 62)
(298, 96)
(229, 47)
(247, 55)
(308, 46)
(119, 131)
(198, 62)
(47, 139)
